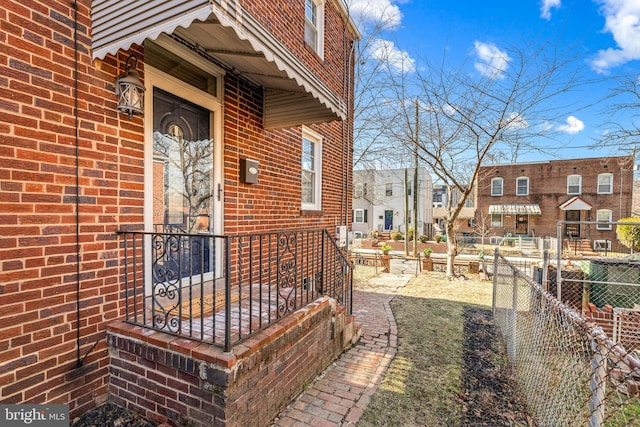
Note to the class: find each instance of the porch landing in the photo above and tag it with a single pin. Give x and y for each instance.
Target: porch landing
(179, 380)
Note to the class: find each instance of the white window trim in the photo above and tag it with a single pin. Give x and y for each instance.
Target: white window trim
(602, 175)
(579, 184)
(355, 216)
(602, 245)
(316, 139)
(388, 188)
(607, 223)
(501, 186)
(517, 180)
(319, 27)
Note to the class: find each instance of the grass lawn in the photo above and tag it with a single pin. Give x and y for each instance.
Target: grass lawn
(436, 378)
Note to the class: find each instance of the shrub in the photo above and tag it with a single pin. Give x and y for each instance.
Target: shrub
(438, 238)
(396, 235)
(423, 238)
(629, 235)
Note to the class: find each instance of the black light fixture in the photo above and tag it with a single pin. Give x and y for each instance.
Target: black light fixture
(129, 89)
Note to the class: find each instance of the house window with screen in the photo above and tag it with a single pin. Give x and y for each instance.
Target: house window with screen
(574, 184)
(360, 216)
(388, 189)
(314, 25)
(603, 218)
(522, 186)
(496, 186)
(311, 169)
(605, 183)
(496, 220)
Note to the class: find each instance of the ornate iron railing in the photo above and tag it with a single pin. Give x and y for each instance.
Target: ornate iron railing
(222, 289)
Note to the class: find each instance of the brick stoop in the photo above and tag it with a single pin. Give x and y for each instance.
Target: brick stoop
(176, 380)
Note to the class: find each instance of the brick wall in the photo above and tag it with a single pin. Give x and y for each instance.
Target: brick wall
(174, 380)
(39, 287)
(548, 189)
(47, 353)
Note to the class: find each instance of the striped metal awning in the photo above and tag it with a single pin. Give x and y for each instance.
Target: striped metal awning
(294, 95)
(517, 209)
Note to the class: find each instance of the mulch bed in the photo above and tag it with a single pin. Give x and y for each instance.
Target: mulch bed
(110, 415)
(489, 392)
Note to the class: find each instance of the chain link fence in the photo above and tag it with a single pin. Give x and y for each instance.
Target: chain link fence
(571, 372)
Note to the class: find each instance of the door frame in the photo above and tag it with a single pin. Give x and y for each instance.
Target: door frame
(156, 78)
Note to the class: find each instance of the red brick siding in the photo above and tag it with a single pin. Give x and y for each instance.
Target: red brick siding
(38, 258)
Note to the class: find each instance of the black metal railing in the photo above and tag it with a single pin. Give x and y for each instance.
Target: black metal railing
(221, 289)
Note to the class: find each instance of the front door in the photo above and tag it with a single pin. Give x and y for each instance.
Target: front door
(182, 168)
(572, 230)
(388, 220)
(522, 224)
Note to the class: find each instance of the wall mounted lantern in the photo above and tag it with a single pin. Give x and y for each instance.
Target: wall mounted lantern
(129, 89)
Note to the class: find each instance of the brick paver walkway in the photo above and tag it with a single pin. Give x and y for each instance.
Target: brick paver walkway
(340, 394)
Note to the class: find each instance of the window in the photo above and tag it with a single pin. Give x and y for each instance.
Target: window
(522, 186)
(602, 245)
(605, 183)
(603, 217)
(388, 191)
(409, 187)
(359, 190)
(496, 220)
(360, 216)
(496, 187)
(574, 184)
(314, 25)
(311, 170)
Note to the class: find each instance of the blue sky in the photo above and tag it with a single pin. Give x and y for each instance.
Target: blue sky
(604, 33)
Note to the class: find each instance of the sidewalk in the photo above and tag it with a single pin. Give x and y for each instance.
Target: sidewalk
(340, 394)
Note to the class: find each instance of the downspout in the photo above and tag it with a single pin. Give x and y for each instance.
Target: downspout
(79, 359)
(77, 154)
(345, 132)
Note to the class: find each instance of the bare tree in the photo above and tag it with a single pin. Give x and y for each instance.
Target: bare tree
(625, 99)
(455, 121)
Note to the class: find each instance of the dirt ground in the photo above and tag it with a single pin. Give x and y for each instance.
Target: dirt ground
(488, 393)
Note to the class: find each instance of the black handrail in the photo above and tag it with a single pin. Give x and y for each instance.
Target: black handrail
(174, 281)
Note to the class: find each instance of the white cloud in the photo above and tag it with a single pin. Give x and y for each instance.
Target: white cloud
(381, 13)
(574, 125)
(399, 60)
(622, 20)
(491, 62)
(547, 5)
(516, 121)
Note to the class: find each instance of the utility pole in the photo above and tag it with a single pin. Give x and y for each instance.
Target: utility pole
(406, 212)
(415, 185)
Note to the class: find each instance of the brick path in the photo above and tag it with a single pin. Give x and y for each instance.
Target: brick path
(340, 394)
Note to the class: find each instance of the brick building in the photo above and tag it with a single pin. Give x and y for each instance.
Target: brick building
(245, 128)
(528, 199)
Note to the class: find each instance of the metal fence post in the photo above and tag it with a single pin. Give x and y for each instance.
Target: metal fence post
(496, 252)
(514, 318)
(545, 270)
(598, 380)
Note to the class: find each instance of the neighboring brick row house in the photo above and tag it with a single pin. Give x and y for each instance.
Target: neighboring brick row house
(529, 199)
(245, 128)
